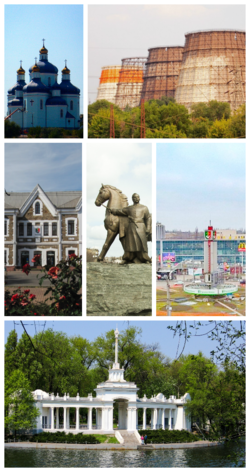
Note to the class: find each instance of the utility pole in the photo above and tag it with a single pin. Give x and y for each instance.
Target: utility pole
(143, 134)
(112, 123)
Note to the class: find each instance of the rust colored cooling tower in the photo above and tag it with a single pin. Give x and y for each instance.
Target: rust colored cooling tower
(162, 72)
(108, 83)
(130, 82)
(213, 68)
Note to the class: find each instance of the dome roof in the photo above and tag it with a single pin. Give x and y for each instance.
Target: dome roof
(20, 71)
(68, 89)
(35, 68)
(46, 67)
(35, 86)
(16, 102)
(65, 70)
(56, 86)
(56, 101)
(18, 86)
(43, 50)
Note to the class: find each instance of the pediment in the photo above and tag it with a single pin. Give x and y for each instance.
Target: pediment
(38, 192)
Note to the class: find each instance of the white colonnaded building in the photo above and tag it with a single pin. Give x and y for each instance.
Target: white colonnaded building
(166, 413)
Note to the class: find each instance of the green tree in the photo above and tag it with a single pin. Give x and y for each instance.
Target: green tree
(11, 129)
(212, 110)
(20, 410)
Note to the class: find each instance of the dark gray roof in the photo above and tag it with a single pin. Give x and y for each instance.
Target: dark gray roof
(59, 199)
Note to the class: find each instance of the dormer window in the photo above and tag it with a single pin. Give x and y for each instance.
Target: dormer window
(49, 81)
(37, 207)
(71, 104)
(61, 113)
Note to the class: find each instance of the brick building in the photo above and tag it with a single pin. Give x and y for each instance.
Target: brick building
(45, 223)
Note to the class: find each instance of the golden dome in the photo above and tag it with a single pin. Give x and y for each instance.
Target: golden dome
(35, 68)
(66, 70)
(20, 71)
(43, 50)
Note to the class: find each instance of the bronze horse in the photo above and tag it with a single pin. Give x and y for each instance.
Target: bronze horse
(115, 224)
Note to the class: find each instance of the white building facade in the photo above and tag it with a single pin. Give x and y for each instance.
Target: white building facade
(166, 413)
(44, 223)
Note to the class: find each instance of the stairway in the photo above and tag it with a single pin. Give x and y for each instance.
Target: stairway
(130, 438)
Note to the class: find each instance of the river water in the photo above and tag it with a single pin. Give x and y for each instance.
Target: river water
(202, 457)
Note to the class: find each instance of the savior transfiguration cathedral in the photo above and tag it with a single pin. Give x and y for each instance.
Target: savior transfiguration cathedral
(43, 101)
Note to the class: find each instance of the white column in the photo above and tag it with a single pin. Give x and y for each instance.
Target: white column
(57, 418)
(90, 418)
(59, 232)
(51, 417)
(152, 418)
(144, 421)
(169, 420)
(64, 417)
(155, 418)
(68, 419)
(77, 417)
(136, 418)
(163, 418)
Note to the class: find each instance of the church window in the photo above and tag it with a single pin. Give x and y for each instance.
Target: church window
(29, 229)
(37, 208)
(71, 227)
(71, 104)
(5, 257)
(49, 81)
(61, 113)
(5, 227)
(21, 229)
(46, 229)
(41, 104)
(54, 229)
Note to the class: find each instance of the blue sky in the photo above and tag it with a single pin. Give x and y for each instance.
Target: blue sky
(62, 28)
(152, 332)
(53, 166)
(199, 182)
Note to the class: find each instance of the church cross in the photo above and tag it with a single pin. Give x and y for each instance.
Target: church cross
(43, 41)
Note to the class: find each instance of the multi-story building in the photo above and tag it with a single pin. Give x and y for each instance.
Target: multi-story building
(44, 223)
(229, 248)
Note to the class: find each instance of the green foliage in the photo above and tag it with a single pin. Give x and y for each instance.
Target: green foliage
(65, 284)
(161, 436)
(62, 437)
(20, 410)
(39, 132)
(165, 118)
(11, 129)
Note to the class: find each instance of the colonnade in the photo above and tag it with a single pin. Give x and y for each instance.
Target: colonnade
(157, 418)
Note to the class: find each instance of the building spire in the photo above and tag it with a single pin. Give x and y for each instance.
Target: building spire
(116, 345)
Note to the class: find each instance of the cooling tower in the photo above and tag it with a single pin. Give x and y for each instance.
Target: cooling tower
(108, 83)
(130, 82)
(213, 68)
(161, 72)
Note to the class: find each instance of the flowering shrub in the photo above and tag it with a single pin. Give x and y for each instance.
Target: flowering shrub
(19, 303)
(65, 283)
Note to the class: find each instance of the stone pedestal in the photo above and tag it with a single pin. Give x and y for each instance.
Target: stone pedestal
(119, 290)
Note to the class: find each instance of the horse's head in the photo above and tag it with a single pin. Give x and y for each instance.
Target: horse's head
(103, 195)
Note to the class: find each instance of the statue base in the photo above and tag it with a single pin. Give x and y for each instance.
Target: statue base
(119, 289)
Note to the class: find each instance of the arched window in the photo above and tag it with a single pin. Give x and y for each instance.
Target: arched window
(61, 113)
(41, 104)
(49, 81)
(37, 208)
(71, 104)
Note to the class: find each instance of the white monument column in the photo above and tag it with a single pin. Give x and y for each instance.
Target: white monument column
(90, 418)
(137, 418)
(77, 417)
(163, 418)
(57, 418)
(116, 345)
(64, 417)
(144, 421)
(51, 417)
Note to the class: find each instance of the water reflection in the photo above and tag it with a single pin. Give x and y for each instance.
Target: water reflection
(204, 457)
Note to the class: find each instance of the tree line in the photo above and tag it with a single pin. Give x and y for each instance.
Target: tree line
(165, 118)
(56, 363)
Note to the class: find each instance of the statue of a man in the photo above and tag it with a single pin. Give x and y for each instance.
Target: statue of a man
(135, 235)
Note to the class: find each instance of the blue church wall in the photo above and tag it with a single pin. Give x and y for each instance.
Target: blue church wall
(35, 114)
(75, 111)
(48, 79)
(54, 118)
(17, 117)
